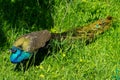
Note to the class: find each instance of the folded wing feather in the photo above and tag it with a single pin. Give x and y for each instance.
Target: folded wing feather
(33, 41)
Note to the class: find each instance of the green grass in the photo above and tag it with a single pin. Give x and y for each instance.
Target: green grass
(99, 60)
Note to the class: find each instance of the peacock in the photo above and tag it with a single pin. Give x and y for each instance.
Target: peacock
(25, 46)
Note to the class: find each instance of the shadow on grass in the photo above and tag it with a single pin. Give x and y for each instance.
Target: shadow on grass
(2, 38)
(29, 12)
(35, 60)
(30, 15)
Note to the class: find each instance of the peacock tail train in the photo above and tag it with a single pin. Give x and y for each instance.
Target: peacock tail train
(31, 42)
(86, 33)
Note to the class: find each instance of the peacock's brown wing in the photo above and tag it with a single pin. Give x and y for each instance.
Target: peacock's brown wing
(33, 41)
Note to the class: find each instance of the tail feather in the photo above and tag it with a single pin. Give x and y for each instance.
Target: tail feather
(88, 32)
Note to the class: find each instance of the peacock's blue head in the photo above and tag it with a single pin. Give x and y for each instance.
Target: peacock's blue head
(18, 55)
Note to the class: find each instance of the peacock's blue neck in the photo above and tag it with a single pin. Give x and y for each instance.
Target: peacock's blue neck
(19, 55)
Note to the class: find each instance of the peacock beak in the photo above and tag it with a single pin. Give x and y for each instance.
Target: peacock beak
(10, 50)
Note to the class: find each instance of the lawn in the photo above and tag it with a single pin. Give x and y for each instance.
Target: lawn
(73, 61)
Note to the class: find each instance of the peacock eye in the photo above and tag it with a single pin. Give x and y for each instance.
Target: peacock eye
(13, 50)
(100, 23)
